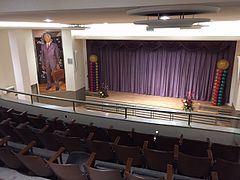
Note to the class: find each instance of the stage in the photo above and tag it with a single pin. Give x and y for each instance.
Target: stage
(159, 102)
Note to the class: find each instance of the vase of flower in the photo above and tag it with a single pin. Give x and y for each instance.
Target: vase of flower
(188, 102)
(103, 92)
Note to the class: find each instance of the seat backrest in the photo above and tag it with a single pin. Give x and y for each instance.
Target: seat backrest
(158, 160)
(229, 153)
(227, 170)
(193, 166)
(100, 134)
(9, 159)
(57, 125)
(100, 174)
(73, 143)
(37, 121)
(49, 141)
(67, 171)
(194, 147)
(125, 138)
(27, 135)
(139, 138)
(165, 143)
(102, 149)
(125, 152)
(8, 130)
(36, 165)
(78, 130)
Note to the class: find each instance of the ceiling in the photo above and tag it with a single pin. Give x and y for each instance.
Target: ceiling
(76, 12)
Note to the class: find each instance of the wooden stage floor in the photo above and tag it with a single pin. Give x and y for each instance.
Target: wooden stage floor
(159, 102)
(42, 88)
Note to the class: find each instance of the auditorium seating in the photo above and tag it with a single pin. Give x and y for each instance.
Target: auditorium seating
(230, 153)
(157, 160)
(151, 154)
(103, 149)
(194, 147)
(193, 166)
(226, 170)
(73, 169)
(125, 137)
(9, 157)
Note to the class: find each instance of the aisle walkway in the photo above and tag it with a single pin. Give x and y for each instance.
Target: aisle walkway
(9, 174)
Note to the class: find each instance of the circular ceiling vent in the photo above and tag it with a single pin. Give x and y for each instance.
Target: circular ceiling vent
(172, 23)
(173, 10)
(172, 16)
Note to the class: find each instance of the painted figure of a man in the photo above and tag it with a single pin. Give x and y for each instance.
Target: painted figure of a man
(50, 59)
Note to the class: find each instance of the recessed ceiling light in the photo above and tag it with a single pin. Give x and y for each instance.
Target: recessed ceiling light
(164, 17)
(48, 20)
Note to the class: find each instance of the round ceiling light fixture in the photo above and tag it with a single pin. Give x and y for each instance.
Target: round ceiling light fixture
(177, 13)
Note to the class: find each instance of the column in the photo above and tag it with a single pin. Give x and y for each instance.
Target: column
(23, 60)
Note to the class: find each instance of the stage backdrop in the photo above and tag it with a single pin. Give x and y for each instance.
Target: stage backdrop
(162, 68)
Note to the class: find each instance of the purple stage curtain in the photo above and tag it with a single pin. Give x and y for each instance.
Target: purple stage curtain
(162, 68)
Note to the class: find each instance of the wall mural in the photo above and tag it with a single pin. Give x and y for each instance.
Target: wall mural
(50, 62)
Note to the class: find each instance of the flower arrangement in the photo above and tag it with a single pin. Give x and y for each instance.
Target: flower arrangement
(103, 92)
(188, 102)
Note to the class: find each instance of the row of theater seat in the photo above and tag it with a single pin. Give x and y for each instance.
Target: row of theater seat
(115, 146)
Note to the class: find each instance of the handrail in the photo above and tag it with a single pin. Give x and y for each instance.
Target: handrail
(125, 107)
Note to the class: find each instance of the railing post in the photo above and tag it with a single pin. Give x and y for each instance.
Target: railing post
(31, 99)
(125, 112)
(74, 108)
(189, 119)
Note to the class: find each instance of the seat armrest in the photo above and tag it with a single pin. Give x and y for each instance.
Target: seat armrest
(176, 151)
(27, 148)
(4, 140)
(169, 175)
(6, 121)
(128, 165)
(91, 159)
(181, 140)
(214, 175)
(210, 155)
(57, 154)
(116, 140)
(73, 121)
(145, 144)
(10, 110)
(44, 129)
(90, 136)
(23, 113)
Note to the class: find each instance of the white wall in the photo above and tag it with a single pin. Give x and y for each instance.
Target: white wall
(6, 67)
(68, 54)
(234, 93)
(79, 50)
(74, 50)
(31, 57)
